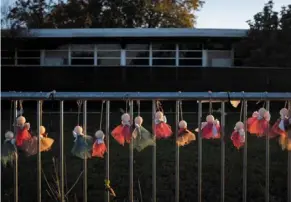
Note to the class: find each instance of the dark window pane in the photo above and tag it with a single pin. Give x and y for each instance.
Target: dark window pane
(162, 54)
(164, 62)
(8, 61)
(82, 54)
(82, 61)
(191, 46)
(185, 54)
(108, 54)
(238, 62)
(137, 61)
(167, 46)
(5, 53)
(137, 54)
(137, 47)
(218, 46)
(108, 62)
(190, 62)
(28, 53)
(29, 61)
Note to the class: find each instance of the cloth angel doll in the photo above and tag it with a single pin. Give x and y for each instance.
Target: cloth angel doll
(238, 135)
(279, 127)
(284, 141)
(259, 122)
(122, 133)
(142, 138)
(99, 147)
(45, 142)
(83, 144)
(8, 149)
(185, 136)
(162, 129)
(23, 133)
(211, 128)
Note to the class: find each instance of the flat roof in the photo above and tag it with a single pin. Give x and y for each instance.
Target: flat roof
(134, 33)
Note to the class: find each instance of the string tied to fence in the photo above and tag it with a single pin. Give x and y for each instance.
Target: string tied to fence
(101, 115)
(79, 103)
(210, 102)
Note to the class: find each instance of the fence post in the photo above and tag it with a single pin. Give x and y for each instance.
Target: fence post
(107, 198)
(62, 176)
(267, 159)
(245, 157)
(85, 195)
(222, 127)
(131, 197)
(177, 181)
(16, 155)
(154, 156)
(289, 157)
(39, 106)
(199, 183)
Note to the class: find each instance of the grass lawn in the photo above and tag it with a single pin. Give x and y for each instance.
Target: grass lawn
(119, 165)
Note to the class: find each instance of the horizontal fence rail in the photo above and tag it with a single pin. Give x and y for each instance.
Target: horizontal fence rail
(223, 97)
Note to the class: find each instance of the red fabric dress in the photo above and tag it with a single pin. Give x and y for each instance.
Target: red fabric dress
(99, 148)
(257, 125)
(122, 134)
(238, 139)
(210, 131)
(22, 135)
(162, 130)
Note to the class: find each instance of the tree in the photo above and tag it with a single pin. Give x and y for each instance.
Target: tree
(268, 43)
(104, 13)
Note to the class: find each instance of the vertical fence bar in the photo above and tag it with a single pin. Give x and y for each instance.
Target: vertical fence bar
(131, 199)
(289, 156)
(222, 128)
(16, 155)
(39, 106)
(245, 157)
(154, 156)
(199, 183)
(85, 195)
(177, 181)
(267, 185)
(107, 198)
(62, 174)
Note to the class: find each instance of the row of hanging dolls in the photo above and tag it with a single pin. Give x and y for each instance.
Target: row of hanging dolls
(85, 147)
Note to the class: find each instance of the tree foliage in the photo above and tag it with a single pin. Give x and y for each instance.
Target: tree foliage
(104, 13)
(268, 43)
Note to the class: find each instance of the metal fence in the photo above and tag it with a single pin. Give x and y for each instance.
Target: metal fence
(200, 97)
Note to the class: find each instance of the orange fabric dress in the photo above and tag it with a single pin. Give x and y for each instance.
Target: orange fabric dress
(257, 125)
(238, 138)
(210, 131)
(278, 129)
(46, 142)
(162, 130)
(122, 133)
(99, 148)
(185, 137)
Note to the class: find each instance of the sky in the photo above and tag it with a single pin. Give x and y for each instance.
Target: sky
(232, 13)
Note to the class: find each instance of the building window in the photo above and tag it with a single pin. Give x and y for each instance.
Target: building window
(7, 57)
(190, 54)
(164, 54)
(108, 54)
(137, 54)
(28, 57)
(82, 54)
(57, 57)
